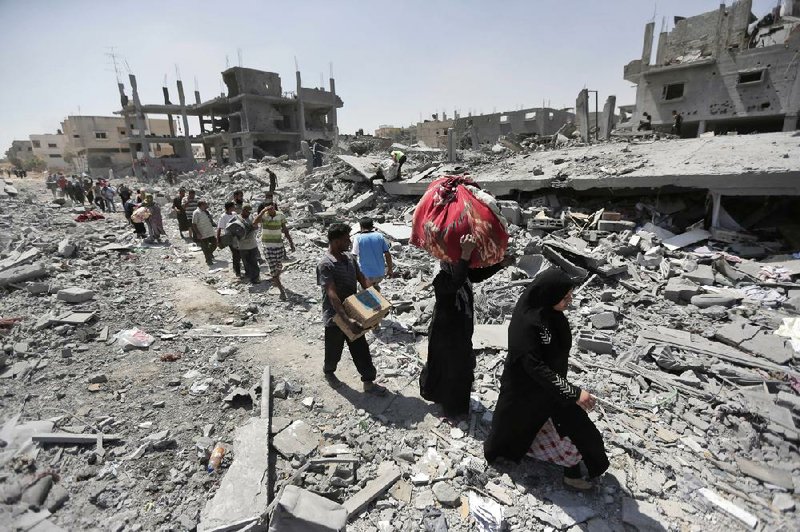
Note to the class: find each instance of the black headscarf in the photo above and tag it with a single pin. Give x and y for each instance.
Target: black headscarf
(534, 311)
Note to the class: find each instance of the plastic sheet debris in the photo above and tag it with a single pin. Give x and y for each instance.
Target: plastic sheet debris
(130, 338)
(790, 328)
(488, 514)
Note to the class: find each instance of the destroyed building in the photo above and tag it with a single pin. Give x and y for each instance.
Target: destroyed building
(50, 148)
(100, 143)
(20, 150)
(483, 129)
(723, 70)
(256, 117)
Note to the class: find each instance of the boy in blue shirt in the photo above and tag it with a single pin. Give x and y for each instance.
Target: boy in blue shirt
(373, 253)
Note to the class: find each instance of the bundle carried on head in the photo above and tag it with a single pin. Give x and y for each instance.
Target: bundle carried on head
(454, 206)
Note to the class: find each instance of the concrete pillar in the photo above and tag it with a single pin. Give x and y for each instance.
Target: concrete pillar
(791, 8)
(661, 49)
(301, 111)
(140, 125)
(790, 122)
(608, 117)
(332, 120)
(701, 127)
(187, 143)
(169, 115)
(582, 114)
(306, 151)
(716, 198)
(451, 145)
(647, 48)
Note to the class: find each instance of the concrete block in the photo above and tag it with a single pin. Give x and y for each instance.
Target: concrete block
(770, 346)
(703, 275)
(300, 510)
(615, 226)
(711, 300)
(735, 333)
(765, 473)
(678, 290)
(296, 439)
(66, 248)
(19, 274)
(361, 202)
(511, 211)
(604, 320)
(75, 294)
(595, 342)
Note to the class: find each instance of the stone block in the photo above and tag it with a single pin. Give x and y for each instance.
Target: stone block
(678, 290)
(604, 320)
(75, 294)
(66, 248)
(19, 274)
(511, 211)
(596, 342)
(770, 346)
(703, 275)
(296, 439)
(299, 509)
(361, 202)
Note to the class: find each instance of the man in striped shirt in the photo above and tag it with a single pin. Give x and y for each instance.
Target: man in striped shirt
(273, 229)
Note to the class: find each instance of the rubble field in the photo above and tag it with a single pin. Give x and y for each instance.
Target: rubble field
(125, 364)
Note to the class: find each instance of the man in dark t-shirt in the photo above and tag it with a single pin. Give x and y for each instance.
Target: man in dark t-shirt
(338, 275)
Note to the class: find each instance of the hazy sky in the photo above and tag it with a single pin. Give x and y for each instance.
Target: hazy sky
(393, 61)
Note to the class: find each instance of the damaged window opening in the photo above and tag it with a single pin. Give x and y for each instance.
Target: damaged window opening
(750, 77)
(673, 91)
(504, 118)
(100, 135)
(530, 116)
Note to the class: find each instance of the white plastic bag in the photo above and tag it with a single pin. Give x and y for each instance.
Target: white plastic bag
(130, 338)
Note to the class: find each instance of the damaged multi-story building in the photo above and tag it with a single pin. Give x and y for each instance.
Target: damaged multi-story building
(256, 117)
(724, 70)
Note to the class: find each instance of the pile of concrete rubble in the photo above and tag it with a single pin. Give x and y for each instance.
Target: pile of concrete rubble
(124, 364)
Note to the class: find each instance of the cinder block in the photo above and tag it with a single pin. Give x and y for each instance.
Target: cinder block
(596, 342)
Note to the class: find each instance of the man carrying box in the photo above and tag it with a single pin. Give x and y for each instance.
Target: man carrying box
(338, 275)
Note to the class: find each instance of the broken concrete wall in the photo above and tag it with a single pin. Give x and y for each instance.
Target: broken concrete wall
(705, 34)
(712, 92)
(434, 133)
(582, 114)
(539, 121)
(241, 80)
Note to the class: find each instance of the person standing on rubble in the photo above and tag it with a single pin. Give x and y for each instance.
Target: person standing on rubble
(245, 239)
(338, 275)
(373, 254)
(190, 206)
(155, 223)
(180, 213)
(398, 158)
(273, 229)
(238, 201)
(677, 122)
(224, 238)
(203, 231)
(534, 387)
(447, 376)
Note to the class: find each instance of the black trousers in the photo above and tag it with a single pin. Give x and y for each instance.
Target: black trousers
(359, 350)
(573, 422)
(400, 165)
(250, 261)
(236, 260)
(208, 245)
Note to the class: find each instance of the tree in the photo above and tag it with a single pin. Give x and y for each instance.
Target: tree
(34, 164)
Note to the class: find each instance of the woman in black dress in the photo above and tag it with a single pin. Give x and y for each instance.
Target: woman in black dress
(447, 376)
(534, 387)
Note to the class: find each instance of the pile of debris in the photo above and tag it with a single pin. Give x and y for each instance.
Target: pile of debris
(125, 364)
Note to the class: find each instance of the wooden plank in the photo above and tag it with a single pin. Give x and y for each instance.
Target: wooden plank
(374, 489)
(70, 438)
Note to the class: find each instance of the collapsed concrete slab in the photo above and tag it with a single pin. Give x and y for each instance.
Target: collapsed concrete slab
(20, 274)
(298, 439)
(300, 510)
(242, 496)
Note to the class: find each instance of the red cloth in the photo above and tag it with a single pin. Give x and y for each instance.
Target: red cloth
(549, 446)
(89, 216)
(450, 209)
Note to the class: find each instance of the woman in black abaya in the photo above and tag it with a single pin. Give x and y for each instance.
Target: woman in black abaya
(447, 376)
(534, 387)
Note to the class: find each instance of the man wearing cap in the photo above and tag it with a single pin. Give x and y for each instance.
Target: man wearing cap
(203, 231)
(273, 229)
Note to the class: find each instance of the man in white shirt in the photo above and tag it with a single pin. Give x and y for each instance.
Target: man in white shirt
(203, 231)
(236, 258)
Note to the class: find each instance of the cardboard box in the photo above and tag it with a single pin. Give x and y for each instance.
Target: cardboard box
(368, 307)
(347, 331)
